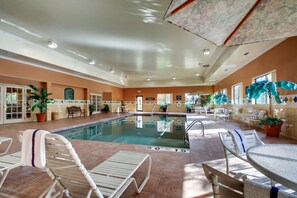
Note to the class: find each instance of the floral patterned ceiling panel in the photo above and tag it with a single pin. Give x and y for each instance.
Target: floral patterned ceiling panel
(213, 20)
(272, 19)
(235, 22)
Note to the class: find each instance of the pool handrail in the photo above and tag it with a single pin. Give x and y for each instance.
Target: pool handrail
(186, 137)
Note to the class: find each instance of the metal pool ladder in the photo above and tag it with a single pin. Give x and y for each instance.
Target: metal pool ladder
(186, 136)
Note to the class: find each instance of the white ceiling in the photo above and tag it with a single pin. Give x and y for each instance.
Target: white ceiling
(128, 36)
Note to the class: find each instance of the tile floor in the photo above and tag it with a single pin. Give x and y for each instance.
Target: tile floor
(173, 174)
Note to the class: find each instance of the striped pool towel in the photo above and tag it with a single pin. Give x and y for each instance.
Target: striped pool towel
(239, 140)
(33, 148)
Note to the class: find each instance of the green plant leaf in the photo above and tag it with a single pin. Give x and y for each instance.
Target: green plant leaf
(221, 98)
(33, 87)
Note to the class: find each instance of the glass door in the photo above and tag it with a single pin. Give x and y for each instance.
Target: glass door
(96, 99)
(28, 104)
(13, 108)
(138, 103)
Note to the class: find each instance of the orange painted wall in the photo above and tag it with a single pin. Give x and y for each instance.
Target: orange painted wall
(58, 92)
(282, 58)
(15, 73)
(131, 93)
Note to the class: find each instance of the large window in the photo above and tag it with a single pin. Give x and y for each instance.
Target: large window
(190, 98)
(237, 93)
(164, 98)
(224, 91)
(263, 99)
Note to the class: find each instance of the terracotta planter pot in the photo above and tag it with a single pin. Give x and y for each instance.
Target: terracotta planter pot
(274, 130)
(41, 117)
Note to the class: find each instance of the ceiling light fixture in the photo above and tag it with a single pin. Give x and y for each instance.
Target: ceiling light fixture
(206, 52)
(197, 74)
(111, 71)
(52, 44)
(148, 79)
(92, 62)
(174, 78)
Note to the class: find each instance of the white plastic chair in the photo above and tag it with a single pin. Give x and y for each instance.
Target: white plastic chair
(230, 147)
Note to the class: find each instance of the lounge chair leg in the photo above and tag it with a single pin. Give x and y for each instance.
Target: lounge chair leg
(48, 192)
(89, 193)
(4, 177)
(124, 187)
(147, 175)
(137, 189)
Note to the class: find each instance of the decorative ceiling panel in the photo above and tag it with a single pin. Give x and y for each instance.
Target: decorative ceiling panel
(213, 20)
(272, 19)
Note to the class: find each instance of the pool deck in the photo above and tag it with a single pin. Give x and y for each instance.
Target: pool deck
(173, 174)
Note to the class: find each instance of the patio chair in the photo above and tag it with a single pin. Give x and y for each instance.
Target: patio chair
(110, 178)
(253, 118)
(231, 148)
(225, 186)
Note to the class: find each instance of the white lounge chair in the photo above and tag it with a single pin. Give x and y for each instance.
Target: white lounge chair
(110, 178)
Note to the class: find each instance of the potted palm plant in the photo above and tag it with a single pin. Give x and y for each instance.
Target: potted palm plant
(272, 125)
(92, 108)
(163, 107)
(188, 107)
(123, 106)
(105, 108)
(41, 100)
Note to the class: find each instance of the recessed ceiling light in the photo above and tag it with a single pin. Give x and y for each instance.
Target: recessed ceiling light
(197, 74)
(174, 78)
(246, 53)
(111, 71)
(206, 52)
(92, 62)
(148, 79)
(52, 44)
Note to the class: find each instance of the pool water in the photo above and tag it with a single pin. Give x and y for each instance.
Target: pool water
(155, 130)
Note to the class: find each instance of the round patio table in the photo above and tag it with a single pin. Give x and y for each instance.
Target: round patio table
(276, 161)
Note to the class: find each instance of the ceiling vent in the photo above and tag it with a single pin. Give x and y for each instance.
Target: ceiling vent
(205, 65)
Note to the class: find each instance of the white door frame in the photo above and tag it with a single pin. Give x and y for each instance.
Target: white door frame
(1, 104)
(101, 102)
